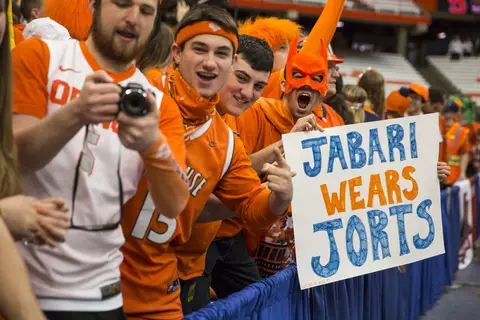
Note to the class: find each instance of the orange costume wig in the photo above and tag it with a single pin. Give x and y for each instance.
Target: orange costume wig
(276, 32)
(74, 15)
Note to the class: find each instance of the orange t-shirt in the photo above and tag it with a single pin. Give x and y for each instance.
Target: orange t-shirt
(259, 127)
(156, 78)
(18, 36)
(152, 256)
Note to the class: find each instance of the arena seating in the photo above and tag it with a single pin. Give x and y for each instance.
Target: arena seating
(464, 74)
(404, 7)
(394, 6)
(396, 70)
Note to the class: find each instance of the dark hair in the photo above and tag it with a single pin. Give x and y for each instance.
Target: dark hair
(205, 12)
(157, 51)
(436, 95)
(256, 52)
(9, 173)
(451, 106)
(26, 8)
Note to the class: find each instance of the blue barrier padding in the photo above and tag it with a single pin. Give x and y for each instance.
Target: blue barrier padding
(387, 294)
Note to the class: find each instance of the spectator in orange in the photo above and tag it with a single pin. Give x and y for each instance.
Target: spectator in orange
(397, 103)
(261, 127)
(418, 99)
(278, 33)
(457, 144)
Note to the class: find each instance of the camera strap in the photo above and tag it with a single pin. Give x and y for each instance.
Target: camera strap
(106, 227)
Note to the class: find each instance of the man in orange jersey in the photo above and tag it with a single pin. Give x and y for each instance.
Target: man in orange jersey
(204, 51)
(228, 260)
(69, 121)
(457, 143)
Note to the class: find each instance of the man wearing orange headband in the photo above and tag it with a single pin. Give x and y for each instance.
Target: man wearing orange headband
(206, 42)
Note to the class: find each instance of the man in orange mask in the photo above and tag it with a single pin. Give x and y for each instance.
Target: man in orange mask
(204, 52)
(261, 127)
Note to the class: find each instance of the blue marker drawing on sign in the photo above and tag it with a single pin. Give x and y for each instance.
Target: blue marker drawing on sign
(422, 213)
(413, 141)
(375, 147)
(315, 144)
(336, 151)
(355, 139)
(378, 220)
(355, 224)
(400, 211)
(395, 135)
(333, 264)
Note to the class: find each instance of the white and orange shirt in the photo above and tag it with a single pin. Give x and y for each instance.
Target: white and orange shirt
(47, 75)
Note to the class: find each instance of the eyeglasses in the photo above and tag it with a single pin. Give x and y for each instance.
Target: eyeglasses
(95, 228)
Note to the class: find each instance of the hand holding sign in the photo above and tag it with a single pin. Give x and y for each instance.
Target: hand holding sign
(443, 171)
(279, 178)
(307, 123)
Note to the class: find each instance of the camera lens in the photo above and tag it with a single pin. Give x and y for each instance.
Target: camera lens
(135, 102)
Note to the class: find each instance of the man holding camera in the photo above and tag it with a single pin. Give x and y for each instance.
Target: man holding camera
(204, 52)
(87, 125)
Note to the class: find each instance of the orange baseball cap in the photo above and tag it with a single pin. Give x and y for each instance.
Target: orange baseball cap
(332, 57)
(419, 89)
(397, 101)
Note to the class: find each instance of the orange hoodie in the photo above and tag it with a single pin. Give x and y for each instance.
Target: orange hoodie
(259, 127)
(216, 163)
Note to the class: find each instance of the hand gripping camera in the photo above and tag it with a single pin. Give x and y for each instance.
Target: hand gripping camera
(133, 100)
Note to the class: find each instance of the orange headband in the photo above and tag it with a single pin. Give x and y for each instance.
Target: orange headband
(205, 27)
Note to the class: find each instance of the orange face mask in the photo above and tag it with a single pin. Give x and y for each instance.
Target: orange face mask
(310, 64)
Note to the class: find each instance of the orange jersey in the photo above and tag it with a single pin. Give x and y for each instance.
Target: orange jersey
(156, 78)
(191, 256)
(18, 36)
(216, 163)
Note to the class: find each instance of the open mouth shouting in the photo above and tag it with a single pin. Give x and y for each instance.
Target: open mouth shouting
(206, 77)
(303, 99)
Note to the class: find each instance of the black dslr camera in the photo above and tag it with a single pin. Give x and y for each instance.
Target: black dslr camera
(133, 100)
